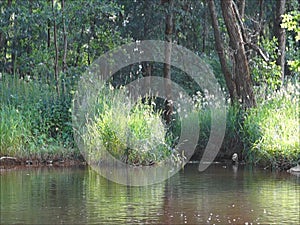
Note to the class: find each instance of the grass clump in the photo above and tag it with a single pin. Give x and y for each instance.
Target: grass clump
(271, 131)
(131, 132)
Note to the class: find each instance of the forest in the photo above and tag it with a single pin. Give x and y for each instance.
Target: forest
(252, 48)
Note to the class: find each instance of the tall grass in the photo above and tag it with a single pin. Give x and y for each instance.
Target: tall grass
(33, 120)
(271, 130)
(131, 132)
(36, 122)
(15, 132)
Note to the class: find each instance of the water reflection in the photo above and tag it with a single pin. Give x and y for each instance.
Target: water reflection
(221, 194)
(230, 195)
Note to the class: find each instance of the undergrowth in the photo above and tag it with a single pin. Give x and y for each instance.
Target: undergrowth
(271, 130)
(35, 121)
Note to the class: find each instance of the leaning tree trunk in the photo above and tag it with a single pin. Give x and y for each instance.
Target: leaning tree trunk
(167, 65)
(280, 35)
(221, 53)
(242, 78)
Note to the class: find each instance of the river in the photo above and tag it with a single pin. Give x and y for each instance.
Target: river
(222, 194)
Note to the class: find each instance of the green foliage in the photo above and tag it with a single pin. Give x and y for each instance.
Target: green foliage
(26, 34)
(35, 119)
(271, 131)
(267, 72)
(232, 138)
(14, 132)
(290, 21)
(134, 134)
(35, 122)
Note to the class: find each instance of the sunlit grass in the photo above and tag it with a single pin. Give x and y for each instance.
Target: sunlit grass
(131, 132)
(271, 131)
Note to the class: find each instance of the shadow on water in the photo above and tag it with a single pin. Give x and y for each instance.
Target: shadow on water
(221, 195)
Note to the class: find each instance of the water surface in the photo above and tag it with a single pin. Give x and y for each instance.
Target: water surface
(219, 195)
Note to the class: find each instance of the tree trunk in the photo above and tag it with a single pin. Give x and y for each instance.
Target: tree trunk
(204, 34)
(56, 50)
(220, 50)
(147, 66)
(28, 44)
(78, 47)
(147, 72)
(65, 40)
(167, 65)
(280, 35)
(241, 6)
(241, 71)
(13, 41)
(49, 30)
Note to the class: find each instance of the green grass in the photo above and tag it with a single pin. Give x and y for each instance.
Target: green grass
(36, 123)
(271, 130)
(34, 120)
(133, 133)
(15, 132)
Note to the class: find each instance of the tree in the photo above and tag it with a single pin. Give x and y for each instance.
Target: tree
(55, 46)
(280, 35)
(241, 70)
(221, 53)
(167, 65)
(239, 81)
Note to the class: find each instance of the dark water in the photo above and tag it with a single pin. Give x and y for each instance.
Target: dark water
(217, 196)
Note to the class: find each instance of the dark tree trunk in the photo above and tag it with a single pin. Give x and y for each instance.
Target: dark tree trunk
(56, 49)
(241, 6)
(147, 66)
(28, 46)
(4, 41)
(167, 66)
(49, 31)
(65, 40)
(13, 42)
(260, 29)
(204, 34)
(48, 34)
(78, 47)
(220, 50)
(147, 73)
(280, 35)
(241, 71)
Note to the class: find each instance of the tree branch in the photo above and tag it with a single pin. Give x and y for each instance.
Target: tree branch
(245, 35)
(259, 51)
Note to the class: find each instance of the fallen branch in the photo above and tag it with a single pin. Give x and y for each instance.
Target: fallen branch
(8, 157)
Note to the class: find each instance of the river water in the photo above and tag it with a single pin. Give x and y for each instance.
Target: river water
(220, 195)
